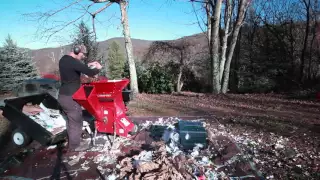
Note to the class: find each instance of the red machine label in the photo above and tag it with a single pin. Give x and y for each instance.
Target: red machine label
(125, 122)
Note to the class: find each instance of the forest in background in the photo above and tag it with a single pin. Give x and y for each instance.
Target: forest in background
(277, 49)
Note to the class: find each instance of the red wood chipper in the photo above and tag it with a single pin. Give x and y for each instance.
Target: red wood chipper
(103, 100)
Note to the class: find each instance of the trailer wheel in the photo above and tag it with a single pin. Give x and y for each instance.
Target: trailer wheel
(20, 138)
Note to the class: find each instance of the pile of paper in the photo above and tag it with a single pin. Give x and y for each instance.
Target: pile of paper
(50, 119)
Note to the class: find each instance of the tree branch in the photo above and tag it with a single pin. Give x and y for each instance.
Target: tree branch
(103, 1)
(101, 9)
(44, 18)
(56, 12)
(99, 1)
(194, 10)
(94, 29)
(56, 31)
(175, 48)
(86, 8)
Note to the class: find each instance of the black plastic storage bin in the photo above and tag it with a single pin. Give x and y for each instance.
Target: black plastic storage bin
(195, 131)
(127, 96)
(13, 112)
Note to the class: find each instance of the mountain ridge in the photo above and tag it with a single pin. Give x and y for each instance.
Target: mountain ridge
(47, 59)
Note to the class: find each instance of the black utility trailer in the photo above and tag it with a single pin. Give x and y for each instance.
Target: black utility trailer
(27, 129)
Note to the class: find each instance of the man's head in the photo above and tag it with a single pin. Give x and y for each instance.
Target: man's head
(79, 52)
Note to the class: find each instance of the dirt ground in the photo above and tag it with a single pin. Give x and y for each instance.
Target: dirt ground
(266, 111)
(281, 135)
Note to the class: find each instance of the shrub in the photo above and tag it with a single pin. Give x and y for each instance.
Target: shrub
(154, 79)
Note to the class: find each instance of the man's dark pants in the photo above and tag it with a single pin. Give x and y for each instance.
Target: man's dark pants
(75, 120)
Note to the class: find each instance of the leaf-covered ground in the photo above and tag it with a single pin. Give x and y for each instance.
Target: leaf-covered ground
(280, 135)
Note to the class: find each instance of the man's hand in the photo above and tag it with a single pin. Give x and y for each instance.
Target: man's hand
(95, 64)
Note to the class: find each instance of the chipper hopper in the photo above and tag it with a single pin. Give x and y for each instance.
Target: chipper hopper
(103, 99)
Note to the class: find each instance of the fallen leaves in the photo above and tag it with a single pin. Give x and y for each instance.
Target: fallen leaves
(161, 167)
(277, 133)
(268, 131)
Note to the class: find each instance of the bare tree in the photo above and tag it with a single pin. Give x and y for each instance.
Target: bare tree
(214, 47)
(52, 57)
(307, 6)
(128, 44)
(227, 20)
(123, 4)
(44, 18)
(220, 57)
(293, 24)
(180, 51)
(242, 8)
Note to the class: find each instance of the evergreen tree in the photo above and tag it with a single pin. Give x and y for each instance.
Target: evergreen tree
(16, 66)
(86, 37)
(116, 61)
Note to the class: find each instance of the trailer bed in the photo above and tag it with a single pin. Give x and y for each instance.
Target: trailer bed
(13, 112)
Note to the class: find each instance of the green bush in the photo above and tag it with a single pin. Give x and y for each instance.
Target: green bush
(154, 79)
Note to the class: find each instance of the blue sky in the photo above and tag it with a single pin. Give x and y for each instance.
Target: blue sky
(148, 19)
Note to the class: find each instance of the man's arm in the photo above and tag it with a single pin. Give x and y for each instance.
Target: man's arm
(85, 69)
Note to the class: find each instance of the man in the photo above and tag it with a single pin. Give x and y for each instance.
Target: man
(70, 69)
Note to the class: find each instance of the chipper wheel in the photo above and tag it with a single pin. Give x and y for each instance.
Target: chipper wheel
(20, 138)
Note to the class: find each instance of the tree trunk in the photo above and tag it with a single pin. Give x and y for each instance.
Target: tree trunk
(128, 45)
(225, 39)
(251, 38)
(234, 83)
(209, 32)
(215, 48)
(179, 83)
(314, 37)
(310, 58)
(241, 14)
(302, 59)
(106, 68)
(292, 53)
(208, 12)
